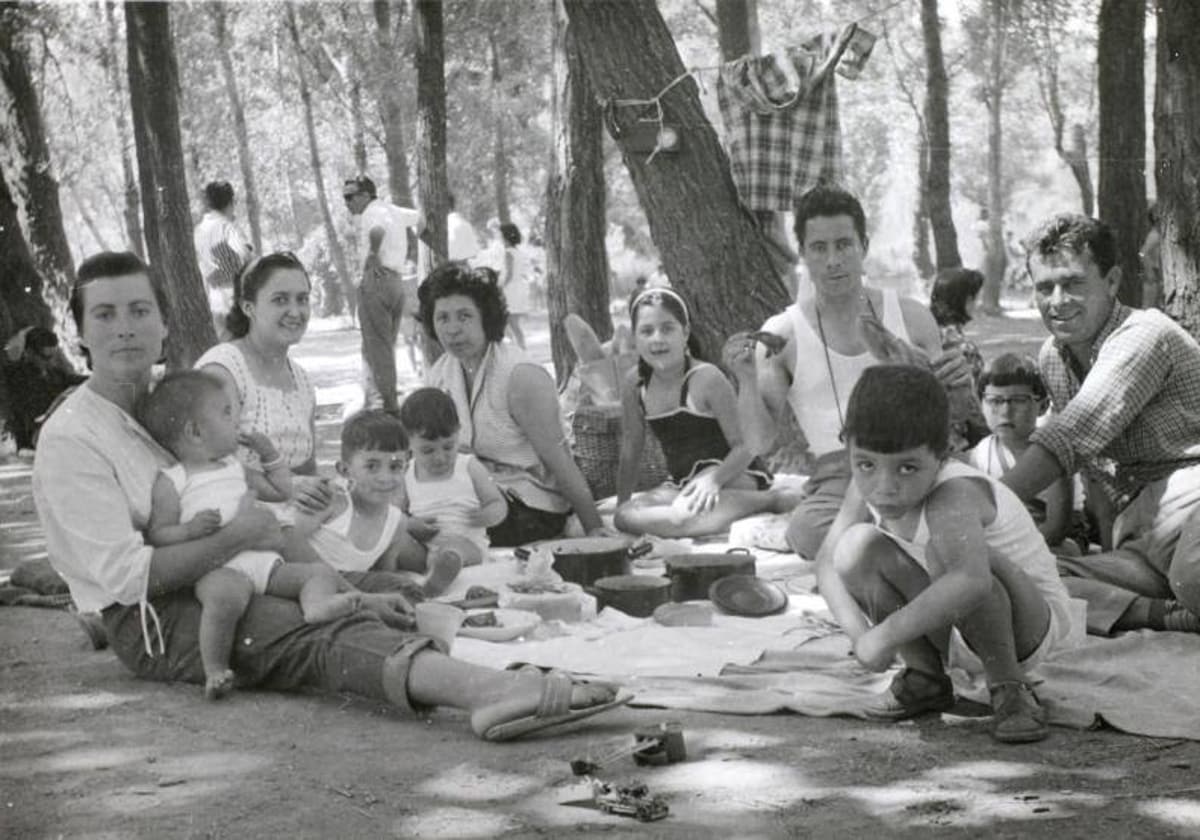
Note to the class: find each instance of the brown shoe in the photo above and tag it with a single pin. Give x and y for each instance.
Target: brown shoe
(912, 693)
(1017, 716)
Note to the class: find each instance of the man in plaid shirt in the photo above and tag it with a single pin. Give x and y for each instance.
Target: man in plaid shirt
(1125, 384)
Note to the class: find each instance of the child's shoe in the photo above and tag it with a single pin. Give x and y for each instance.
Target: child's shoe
(1017, 716)
(913, 693)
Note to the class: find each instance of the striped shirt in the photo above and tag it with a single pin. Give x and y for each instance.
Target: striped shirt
(1134, 417)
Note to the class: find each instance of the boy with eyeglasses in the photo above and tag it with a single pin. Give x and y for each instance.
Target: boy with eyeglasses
(1013, 397)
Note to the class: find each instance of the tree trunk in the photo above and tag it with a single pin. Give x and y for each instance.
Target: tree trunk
(994, 253)
(153, 87)
(431, 140)
(356, 116)
(21, 300)
(33, 182)
(1122, 52)
(737, 28)
(1077, 158)
(284, 169)
(937, 122)
(431, 123)
(388, 76)
(314, 152)
(499, 156)
(922, 259)
(89, 221)
(225, 51)
(110, 58)
(1177, 169)
(576, 261)
(711, 248)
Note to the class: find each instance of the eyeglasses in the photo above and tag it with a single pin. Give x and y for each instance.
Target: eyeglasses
(1016, 401)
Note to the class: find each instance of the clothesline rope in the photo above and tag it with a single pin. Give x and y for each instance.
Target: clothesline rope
(656, 100)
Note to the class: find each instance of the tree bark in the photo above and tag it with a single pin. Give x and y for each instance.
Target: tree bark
(1121, 50)
(937, 121)
(1177, 168)
(388, 93)
(153, 87)
(110, 58)
(33, 181)
(499, 156)
(431, 124)
(711, 249)
(576, 261)
(737, 28)
(245, 159)
(21, 291)
(994, 253)
(922, 259)
(314, 152)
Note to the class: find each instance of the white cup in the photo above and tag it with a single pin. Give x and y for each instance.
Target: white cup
(441, 621)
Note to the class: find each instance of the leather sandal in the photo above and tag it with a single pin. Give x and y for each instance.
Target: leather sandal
(912, 693)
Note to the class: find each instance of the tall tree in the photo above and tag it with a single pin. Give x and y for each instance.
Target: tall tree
(710, 247)
(431, 123)
(245, 159)
(1122, 53)
(32, 178)
(153, 88)
(994, 252)
(937, 121)
(576, 261)
(387, 76)
(499, 156)
(737, 28)
(314, 152)
(1044, 28)
(110, 52)
(21, 300)
(1177, 168)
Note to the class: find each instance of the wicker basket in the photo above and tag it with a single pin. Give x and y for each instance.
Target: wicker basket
(597, 433)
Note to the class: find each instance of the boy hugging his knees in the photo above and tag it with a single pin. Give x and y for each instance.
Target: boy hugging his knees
(935, 562)
(363, 530)
(190, 415)
(449, 494)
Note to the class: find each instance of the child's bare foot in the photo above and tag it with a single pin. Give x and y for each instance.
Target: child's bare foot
(335, 606)
(444, 565)
(218, 685)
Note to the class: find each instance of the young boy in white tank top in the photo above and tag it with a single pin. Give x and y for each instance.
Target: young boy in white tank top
(934, 562)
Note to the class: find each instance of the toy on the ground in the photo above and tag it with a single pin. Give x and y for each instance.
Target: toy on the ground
(632, 799)
(652, 745)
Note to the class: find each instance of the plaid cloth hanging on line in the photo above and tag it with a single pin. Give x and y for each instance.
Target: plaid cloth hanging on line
(782, 134)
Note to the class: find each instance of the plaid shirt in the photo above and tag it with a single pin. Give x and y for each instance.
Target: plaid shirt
(1134, 417)
(782, 140)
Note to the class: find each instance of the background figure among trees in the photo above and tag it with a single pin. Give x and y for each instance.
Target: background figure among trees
(222, 251)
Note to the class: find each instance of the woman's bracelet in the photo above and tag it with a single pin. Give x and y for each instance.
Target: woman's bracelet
(273, 464)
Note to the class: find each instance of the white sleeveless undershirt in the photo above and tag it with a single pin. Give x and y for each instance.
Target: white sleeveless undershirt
(812, 394)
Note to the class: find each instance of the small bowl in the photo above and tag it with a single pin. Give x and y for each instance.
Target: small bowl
(747, 595)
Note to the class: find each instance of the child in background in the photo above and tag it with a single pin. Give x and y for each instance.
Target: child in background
(952, 301)
(190, 415)
(447, 490)
(1013, 396)
(362, 530)
(692, 411)
(933, 561)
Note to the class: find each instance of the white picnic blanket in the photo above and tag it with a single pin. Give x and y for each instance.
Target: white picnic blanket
(1145, 683)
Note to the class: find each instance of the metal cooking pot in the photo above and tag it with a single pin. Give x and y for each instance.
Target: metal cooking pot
(692, 574)
(635, 595)
(584, 560)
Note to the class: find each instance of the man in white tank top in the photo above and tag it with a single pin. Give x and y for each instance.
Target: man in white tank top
(824, 354)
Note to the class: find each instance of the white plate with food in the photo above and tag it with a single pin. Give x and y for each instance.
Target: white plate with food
(498, 625)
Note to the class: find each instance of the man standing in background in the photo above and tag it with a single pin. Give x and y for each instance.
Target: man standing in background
(461, 240)
(381, 297)
(221, 250)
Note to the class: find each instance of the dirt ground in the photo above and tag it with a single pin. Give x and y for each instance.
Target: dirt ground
(88, 751)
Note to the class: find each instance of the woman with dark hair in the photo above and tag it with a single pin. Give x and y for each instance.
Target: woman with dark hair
(508, 406)
(271, 394)
(952, 302)
(92, 479)
(515, 281)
